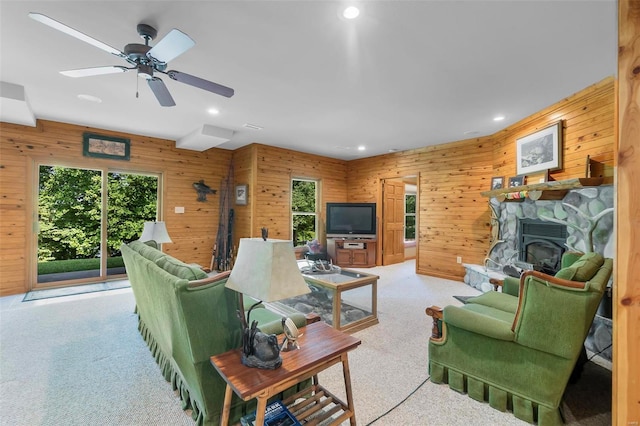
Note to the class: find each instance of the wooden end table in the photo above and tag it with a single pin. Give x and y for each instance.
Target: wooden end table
(321, 346)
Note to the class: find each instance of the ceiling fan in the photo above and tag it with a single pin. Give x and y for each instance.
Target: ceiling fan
(145, 59)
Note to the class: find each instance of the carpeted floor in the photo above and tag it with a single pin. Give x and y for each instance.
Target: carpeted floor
(79, 289)
(80, 360)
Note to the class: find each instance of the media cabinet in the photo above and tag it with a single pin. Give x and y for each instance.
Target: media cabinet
(352, 252)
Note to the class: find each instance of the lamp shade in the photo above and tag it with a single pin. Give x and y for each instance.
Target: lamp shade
(156, 231)
(266, 270)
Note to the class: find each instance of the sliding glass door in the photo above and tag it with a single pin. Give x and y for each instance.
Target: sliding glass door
(84, 215)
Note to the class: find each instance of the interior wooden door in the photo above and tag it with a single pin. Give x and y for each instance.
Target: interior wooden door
(392, 222)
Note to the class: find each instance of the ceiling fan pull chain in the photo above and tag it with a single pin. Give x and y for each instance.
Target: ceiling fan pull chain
(137, 86)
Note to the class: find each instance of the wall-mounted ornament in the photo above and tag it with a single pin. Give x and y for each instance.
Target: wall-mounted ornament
(203, 189)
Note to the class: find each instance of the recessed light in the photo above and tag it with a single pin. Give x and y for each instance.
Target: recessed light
(498, 118)
(90, 98)
(393, 150)
(213, 111)
(471, 132)
(361, 148)
(351, 12)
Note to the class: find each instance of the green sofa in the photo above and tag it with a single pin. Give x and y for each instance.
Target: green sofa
(186, 317)
(517, 349)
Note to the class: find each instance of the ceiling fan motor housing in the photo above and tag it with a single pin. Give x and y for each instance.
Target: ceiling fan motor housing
(147, 32)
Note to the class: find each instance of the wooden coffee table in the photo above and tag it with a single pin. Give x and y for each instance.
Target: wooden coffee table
(320, 347)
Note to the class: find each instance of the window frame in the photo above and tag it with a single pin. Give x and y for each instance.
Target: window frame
(315, 214)
(407, 214)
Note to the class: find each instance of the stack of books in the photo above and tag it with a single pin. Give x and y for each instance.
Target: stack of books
(276, 414)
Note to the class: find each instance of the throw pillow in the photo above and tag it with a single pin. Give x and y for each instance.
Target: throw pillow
(180, 269)
(583, 269)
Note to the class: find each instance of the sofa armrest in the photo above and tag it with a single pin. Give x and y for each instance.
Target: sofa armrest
(205, 281)
(477, 323)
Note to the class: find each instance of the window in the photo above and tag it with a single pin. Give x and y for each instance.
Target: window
(409, 217)
(303, 211)
(75, 208)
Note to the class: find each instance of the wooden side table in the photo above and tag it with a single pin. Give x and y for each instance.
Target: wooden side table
(321, 346)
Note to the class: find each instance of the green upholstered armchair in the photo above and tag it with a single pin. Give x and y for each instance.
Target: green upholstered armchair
(517, 349)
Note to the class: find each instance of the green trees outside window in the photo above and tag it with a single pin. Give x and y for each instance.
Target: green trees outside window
(303, 211)
(409, 217)
(70, 216)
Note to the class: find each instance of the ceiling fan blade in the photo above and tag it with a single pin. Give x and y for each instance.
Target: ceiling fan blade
(160, 90)
(201, 83)
(171, 46)
(75, 33)
(88, 72)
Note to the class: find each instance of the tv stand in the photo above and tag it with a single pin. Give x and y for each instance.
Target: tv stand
(352, 252)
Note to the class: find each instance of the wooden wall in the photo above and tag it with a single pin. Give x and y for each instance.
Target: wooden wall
(193, 233)
(626, 311)
(269, 203)
(588, 121)
(453, 219)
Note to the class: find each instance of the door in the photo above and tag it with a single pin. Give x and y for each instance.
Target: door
(392, 222)
(84, 215)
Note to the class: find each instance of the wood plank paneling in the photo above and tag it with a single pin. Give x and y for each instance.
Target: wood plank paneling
(453, 219)
(270, 192)
(626, 307)
(193, 232)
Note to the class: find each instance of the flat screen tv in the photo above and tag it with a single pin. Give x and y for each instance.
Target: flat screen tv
(351, 220)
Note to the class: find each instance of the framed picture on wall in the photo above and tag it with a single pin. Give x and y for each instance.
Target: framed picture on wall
(540, 150)
(497, 182)
(101, 146)
(241, 195)
(516, 181)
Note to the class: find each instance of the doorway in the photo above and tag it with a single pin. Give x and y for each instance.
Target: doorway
(399, 196)
(84, 215)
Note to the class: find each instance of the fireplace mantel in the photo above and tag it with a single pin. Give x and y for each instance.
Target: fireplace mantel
(553, 190)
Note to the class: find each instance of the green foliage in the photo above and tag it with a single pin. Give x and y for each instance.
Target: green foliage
(73, 265)
(132, 201)
(410, 218)
(303, 200)
(304, 229)
(303, 196)
(70, 211)
(410, 203)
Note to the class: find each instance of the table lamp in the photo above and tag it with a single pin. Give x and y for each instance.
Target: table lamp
(266, 270)
(155, 232)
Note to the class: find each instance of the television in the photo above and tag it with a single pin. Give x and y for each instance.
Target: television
(351, 220)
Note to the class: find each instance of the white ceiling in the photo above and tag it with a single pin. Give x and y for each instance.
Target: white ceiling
(405, 74)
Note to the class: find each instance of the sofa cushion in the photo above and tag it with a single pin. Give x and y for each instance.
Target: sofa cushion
(180, 269)
(494, 299)
(583, 269)
(146, 251)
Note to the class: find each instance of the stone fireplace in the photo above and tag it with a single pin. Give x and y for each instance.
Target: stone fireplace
(573, 216)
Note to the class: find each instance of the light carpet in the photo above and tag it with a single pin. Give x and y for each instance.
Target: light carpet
(74, 290)
(80, 360)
